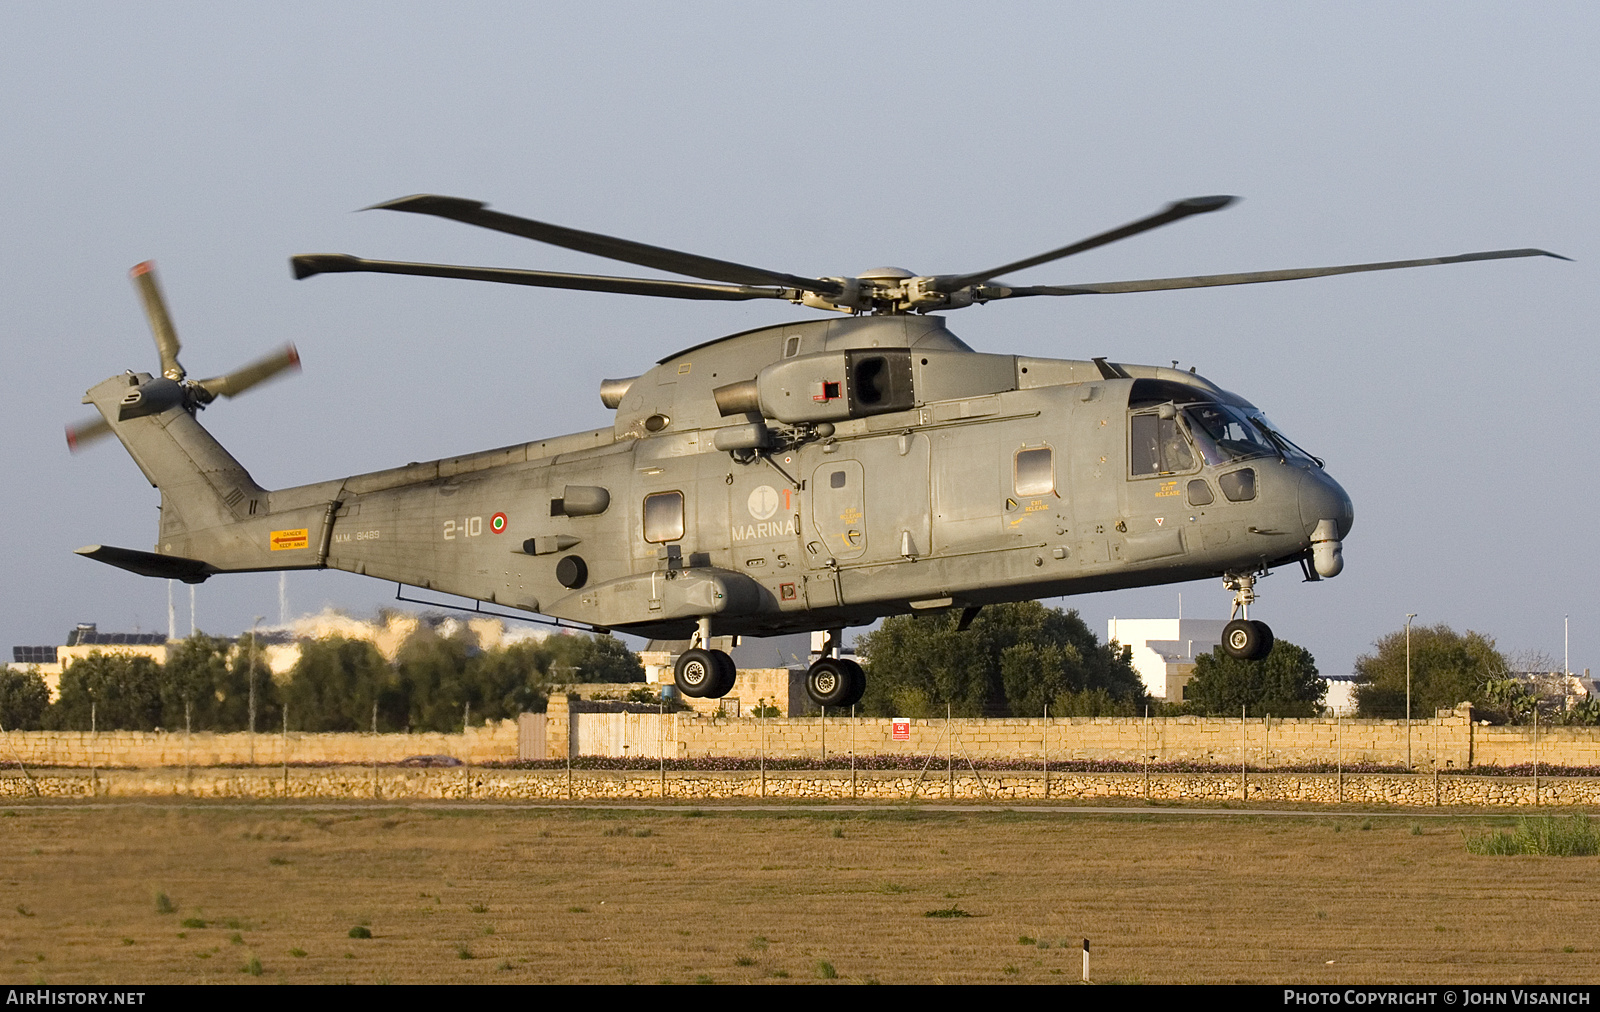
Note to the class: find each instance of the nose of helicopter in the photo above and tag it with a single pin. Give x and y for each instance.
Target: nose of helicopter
(1322, 498)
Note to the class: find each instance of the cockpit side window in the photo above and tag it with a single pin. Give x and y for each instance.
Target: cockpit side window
(1035, 470)
(1158, 445)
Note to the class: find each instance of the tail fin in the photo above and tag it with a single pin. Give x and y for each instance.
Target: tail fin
(212, 512)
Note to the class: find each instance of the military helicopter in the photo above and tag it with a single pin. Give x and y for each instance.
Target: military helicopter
(800, 477)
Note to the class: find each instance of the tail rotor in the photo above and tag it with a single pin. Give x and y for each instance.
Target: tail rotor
(152, 394)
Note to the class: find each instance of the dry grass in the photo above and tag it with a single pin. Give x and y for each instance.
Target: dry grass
(467, 895)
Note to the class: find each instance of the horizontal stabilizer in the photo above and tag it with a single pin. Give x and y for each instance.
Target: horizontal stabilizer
(167, 567)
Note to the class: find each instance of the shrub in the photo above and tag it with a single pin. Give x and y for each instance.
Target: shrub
(360, 931)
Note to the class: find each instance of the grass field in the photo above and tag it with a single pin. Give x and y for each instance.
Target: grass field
(462, 895)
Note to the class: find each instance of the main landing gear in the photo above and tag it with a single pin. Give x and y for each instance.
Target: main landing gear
(835, 682)
(701, 672)
(1242, 638)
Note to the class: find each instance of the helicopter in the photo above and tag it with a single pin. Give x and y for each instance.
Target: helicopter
(800, 477)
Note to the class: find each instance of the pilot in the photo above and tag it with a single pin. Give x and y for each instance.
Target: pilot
(1175, 452)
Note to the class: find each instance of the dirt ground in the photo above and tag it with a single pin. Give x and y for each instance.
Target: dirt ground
(460, 894)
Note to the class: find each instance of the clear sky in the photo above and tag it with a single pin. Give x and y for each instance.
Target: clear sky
(219, 139)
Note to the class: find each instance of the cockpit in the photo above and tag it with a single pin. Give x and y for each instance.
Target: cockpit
(1173, 431)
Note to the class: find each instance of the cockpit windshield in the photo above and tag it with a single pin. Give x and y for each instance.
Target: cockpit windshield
(1285, 444)
(1226, 434)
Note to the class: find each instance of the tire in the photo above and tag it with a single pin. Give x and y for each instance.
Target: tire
(1266, 641)
(697, 673)
(727, 674)
(829, 682)
(858, 682)
(1242, 640)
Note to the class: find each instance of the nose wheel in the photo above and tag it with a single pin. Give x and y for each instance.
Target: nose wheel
(704, 673)
(835, 682)
(1243, 638)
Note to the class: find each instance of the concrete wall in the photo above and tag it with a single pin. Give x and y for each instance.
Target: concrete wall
(389, 783)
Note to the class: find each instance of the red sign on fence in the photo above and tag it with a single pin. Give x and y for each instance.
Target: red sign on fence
(902, 728)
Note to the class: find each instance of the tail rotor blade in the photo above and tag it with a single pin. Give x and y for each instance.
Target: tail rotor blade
(155, 309)
(237, 382)
(86, 432)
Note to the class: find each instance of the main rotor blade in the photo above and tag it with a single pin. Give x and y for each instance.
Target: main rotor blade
(1255, 277)
(155, 310)
(1172, 212)
(86, 432)
(475, 212)
(307, 264)
(262, 369)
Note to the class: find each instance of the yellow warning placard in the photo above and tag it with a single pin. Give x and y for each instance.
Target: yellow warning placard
(284, 540)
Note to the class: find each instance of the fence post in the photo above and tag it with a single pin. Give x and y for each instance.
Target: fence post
(1045, 740)
(1146, 730)
(1536, 753)
(852, 751)
(949, 752)
(374, 749)
(1244, 756)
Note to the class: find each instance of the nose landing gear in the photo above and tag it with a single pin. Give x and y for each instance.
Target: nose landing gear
(702, 672)
(835, 681)
(1243, 638)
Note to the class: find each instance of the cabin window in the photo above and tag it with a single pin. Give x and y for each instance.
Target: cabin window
(837, 479)
(1240, 485)
(1036, 470)
(663, 517)
(1200, 493)
(791, 346)
(1158, 445)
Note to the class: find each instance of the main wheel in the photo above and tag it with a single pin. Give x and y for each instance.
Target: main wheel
(858, 682)
(697, 673)
(1266, 641)
(1242, 639)
(829, 682)
(727, 674)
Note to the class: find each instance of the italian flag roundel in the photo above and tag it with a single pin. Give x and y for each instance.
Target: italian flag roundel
(497, 523)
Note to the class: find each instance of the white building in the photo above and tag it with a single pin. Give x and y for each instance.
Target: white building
(1341, 698)
(1164, 649)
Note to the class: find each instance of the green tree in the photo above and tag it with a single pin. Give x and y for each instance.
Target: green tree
(23, 699)
(196, 674)
(511, 680)
(212, 676)
(1284, 684)
(123, 693)
(581, 658)
(1014, 659)
(335, 683)
(1447, 668)
(433, 677)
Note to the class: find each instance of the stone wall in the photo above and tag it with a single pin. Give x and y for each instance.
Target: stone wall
(1449, 741)
(465, 783)
(494, 741)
